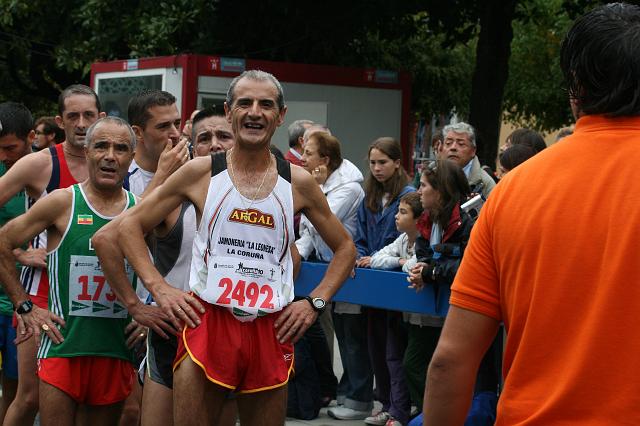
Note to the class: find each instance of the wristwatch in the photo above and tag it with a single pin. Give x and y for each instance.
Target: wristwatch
(317, 303)
(25, 307)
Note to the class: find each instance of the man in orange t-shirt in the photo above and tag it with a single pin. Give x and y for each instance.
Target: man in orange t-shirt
(557, 262)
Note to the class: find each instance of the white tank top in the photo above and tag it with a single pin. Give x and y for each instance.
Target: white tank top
(241, 256)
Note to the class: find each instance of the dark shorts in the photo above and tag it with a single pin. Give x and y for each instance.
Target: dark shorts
(8, 348)
(245, 357)
(161, 353)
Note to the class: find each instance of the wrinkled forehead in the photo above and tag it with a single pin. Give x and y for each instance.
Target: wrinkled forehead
(212, 124)
(112, 133)
(249, 88)
(79, 102)
(458, 136)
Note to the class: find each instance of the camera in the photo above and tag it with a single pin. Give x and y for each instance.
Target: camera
(473, 206)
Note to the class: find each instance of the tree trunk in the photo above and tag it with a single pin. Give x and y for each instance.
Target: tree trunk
(490, 76)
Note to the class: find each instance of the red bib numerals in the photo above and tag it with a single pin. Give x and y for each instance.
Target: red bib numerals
(246, 295)
(99, 282)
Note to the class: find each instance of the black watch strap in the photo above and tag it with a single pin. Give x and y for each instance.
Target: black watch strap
(25, 307)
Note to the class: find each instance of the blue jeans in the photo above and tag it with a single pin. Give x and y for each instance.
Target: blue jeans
(356, 385)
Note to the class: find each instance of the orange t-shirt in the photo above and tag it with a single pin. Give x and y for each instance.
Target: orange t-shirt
(555, 254)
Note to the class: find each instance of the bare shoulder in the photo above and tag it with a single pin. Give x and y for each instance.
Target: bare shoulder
(40, 159)
(301, 179)
(52, 209)
(60, 198)
(189, 182)
(31, 172)
(190, 174)
(195, 169)
(306, 191)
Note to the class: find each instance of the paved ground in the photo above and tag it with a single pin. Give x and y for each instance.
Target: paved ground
(324, 420)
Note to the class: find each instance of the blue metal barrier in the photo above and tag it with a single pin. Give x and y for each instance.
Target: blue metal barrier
(371, 287)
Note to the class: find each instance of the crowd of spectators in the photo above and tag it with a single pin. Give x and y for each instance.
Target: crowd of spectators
(420, 230)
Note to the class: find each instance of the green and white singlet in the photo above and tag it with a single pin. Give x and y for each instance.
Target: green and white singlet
(78, 292)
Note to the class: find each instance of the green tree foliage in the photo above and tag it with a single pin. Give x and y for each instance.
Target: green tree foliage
(45, 46)
(535, 96)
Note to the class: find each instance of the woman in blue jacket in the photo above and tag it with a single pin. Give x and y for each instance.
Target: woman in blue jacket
(386, 334)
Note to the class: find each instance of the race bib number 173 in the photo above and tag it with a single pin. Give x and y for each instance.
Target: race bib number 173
(89, 292)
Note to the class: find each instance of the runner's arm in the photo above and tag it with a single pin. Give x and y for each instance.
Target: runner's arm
(189, 183)
(316, 209)
(297, 317)
(466, 336)
(107, 247)
(52, 211)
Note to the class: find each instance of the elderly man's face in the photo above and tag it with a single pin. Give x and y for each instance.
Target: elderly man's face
(255, 114)
(457, 147)
(109, 154)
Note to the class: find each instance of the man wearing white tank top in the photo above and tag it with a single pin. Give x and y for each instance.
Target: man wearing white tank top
(171, 245)
(240, 319)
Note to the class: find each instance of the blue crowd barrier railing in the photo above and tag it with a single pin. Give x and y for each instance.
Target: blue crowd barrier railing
(375, 288)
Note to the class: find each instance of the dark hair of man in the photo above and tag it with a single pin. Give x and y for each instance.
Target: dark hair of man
(296, 130)
(76, 89)
(49, 126)
(412, 199)
(256, 75)
(16, 120)
(374, 190)
(140, 104)
(448, 179)
(516, 155)
(600, 60)
(528, 137)
(328, 146)
(210, 111)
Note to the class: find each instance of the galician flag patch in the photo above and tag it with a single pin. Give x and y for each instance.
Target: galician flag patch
(85, 219)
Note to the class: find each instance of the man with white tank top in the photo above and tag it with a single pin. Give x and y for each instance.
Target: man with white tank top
(171, 246)
(240, 319)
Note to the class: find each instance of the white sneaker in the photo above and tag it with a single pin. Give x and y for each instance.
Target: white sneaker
(379, 419)
(344, 413)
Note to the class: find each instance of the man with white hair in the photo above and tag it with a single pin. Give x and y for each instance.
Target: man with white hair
(296, 141)
(85, 364)
(459, 145)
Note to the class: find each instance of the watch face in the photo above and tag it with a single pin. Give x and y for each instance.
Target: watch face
(318, 303)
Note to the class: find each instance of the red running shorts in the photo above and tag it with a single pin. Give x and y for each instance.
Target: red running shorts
(245, 357)
(92, 380)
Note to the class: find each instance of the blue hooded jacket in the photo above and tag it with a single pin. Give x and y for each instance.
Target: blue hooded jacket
(376, 230)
